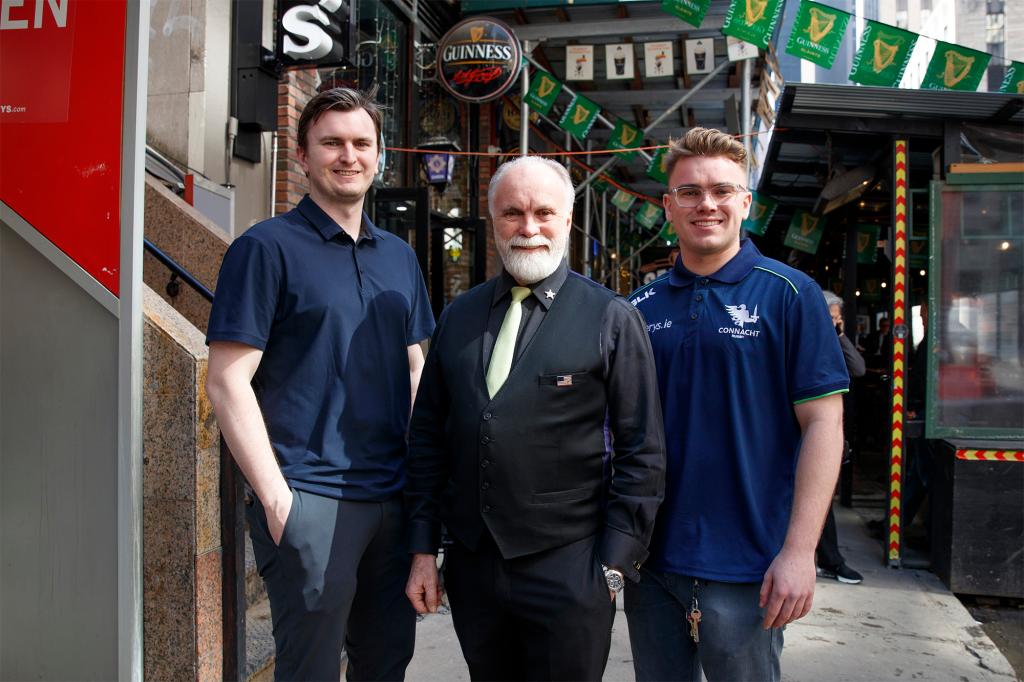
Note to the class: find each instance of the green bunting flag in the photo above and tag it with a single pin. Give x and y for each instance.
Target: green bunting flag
(954, 68)
(883, 55)
(690, 11)
(668, 234)
(805, 231)
(1013, 82)
(762, 209)
(656, 167)
(918, 252)
(817, 32)
(867, 243)
(622, 200)
(600, 184)
(752, 20)
(649, 214)
(544, 88)
(624, 136)
(579, 117)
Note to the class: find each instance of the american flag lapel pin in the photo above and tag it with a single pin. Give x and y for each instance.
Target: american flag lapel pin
(563, 380)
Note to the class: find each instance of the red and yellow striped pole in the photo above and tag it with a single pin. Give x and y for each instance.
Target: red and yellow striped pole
(899, 340)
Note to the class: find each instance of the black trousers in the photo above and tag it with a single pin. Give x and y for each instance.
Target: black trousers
(337, 579)
(829, 556)
(546, 616)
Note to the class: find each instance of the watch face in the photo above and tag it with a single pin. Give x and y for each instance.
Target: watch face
(614, 580)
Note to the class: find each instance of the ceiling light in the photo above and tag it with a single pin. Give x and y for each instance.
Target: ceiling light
(885, 284)
(401, 207)
(857, 293)
(1005, 246)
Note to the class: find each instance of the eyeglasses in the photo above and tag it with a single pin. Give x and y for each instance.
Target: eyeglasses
(691, 196)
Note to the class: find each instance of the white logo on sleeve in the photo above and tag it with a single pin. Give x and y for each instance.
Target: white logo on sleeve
(741, 317)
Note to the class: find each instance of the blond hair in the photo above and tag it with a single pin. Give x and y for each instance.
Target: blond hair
(704, 142)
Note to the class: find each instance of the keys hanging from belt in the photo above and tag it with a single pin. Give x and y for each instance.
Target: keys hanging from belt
(694, 616)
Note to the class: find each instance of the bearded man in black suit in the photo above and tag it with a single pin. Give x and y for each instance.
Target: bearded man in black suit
(536, 438)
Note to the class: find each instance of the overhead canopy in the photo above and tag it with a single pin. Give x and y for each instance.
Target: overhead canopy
(823, 132)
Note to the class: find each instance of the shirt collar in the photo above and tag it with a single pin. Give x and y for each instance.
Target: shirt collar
(325, 224)
(552, 283)
(738, 267)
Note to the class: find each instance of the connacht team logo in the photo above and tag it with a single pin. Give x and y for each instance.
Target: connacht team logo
(957, 68)
(741, 316)
(885, 52)
(821, 24)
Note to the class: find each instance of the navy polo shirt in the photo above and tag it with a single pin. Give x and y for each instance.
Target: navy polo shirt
(334, 319)
(734, 352)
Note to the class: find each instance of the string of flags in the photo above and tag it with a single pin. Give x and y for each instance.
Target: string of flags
(816, 36)
(882, 55)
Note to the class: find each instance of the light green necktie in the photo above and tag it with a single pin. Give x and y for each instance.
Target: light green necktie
(505, 344)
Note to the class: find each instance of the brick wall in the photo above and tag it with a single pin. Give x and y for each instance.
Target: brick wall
(295, 89)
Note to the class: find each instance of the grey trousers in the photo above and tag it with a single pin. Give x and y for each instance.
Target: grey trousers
(733, 645)
(337, 579)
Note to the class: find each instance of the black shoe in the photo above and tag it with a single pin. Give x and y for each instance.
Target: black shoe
(843, 574)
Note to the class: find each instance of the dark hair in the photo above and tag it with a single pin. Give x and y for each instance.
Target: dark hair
(339, 99)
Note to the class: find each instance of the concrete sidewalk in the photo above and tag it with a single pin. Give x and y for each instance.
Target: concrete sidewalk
(896, 625)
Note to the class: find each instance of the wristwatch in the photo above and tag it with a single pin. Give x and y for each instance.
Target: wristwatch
(614, 579)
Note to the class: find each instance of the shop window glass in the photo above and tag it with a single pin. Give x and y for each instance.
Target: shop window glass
(977, 386)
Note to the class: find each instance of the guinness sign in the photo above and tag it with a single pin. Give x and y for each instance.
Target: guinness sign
(479, 59)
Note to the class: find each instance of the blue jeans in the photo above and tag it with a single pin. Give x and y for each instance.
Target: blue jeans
(733, 645)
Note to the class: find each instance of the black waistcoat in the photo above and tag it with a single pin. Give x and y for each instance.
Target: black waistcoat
(530, 464)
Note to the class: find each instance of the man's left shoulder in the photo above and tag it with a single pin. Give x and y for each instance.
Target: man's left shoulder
(787, 278)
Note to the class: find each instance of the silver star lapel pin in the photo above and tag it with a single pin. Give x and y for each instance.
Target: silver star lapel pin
(549, 294)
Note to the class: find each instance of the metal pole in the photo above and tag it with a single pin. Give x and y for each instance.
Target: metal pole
(618, 253)
(745, 110)
(668, 112)
(524, 110)
(604, 234)
(586, 225)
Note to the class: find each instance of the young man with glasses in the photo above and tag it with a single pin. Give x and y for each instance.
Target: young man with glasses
(750, 373)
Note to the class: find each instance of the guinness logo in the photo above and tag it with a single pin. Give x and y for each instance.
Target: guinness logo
(1020, 87)
(479, 59)
(862, 241)
(628, 135)
(885, 53)
(957, 68)
(807, 224)
(754, 10)
(580, 114)
(546, 86)
(758, 210)
(821, 24)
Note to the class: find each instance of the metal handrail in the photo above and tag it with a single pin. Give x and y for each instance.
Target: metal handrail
(178, 270)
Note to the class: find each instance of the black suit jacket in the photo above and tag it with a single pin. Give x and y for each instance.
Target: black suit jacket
(532, 466)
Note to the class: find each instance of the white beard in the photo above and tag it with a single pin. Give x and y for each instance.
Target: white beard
(530, 268)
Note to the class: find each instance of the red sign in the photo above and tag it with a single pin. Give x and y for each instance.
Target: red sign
(61, 89)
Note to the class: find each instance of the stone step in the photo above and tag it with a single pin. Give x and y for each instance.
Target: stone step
(259, 642)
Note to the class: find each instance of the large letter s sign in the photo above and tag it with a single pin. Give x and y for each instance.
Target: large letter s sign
(299, 21)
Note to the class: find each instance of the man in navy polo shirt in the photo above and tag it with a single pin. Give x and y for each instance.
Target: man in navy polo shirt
(314, 361)
(750, 373)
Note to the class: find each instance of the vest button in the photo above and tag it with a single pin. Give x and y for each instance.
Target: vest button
(693, 316)
(485, 485)
(485, 440)
(487, 508)
(487, 416)
(704, 282)
(699, 298)
(484, 463)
